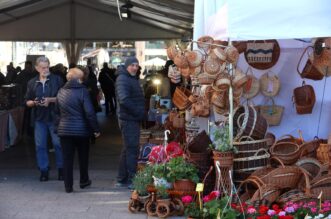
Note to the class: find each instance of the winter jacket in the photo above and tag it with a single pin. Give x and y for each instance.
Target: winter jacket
(130, 97)
(76, 113)
(38, 90)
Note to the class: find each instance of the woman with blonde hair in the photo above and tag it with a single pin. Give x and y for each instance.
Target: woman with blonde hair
(77, 121)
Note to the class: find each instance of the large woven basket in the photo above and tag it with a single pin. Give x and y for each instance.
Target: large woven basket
(181, 98)
(324, 153)
(283, 176)
(251, 155)
(304, 99)
(294, 195)
(248, 122)
(194, 58)
(287, 152)
(290, 138)
(313, 167)
(321, 185)
(257, 192)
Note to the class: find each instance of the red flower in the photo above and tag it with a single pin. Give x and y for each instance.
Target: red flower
(286, 217)
(214, 194)
(263, 209)
(263, 217)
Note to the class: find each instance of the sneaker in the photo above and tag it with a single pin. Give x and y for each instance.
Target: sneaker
(85, 184)
(120, 185)
(60, 174)
(43, 176)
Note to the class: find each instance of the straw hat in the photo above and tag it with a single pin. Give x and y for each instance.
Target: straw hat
(269, 85)
(239, 78)
(205, 78)
(181, 61)
(212, 65)
(194, 58)
(252, 87)
(172, 52)
(232, 54)
(201, 43)
(220, 53)
(195, 71)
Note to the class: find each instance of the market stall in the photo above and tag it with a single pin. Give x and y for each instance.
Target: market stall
(251, 89)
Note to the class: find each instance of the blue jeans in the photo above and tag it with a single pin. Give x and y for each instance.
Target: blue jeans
(41, 137)
(128, 161)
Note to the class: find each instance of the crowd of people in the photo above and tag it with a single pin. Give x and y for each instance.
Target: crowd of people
(63, 102)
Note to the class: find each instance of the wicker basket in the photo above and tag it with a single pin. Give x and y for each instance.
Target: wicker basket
(184, 185)
(272, 113)
(239, 79)
(287, 152)
(232, 54)
(324, 153)
(212, 66)
(204, 43)
(259, 192)
(304, 99)
(271, 138)
(251, 155)
(248, 122)
(283, 176)
(321, 184)
(294, 195)
(309, 149)
(180, 98)
(265, 81)
(313, 167)
(290, 138)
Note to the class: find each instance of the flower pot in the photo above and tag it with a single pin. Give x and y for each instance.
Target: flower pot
(225, 159)
(185, 185)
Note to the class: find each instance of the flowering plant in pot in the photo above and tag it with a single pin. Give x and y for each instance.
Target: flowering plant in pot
(184, 175)
(192, 209)
(142, 180)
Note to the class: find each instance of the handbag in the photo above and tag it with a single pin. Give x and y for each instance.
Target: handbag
(304, 98)
(181, 98)
(271, 112)
(269, 85)
(309, 71)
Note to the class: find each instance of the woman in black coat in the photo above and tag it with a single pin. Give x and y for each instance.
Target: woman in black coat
(76, 123)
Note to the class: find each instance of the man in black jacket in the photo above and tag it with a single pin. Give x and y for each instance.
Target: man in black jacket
(130, 112)
(41, 97)
(108, 88)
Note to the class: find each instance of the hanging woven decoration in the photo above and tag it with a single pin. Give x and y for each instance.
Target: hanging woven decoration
(262, 54)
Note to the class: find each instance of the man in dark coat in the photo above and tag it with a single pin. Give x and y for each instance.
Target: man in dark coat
(130, 112)
(108, 88)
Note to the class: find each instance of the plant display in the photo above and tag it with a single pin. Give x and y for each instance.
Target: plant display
(301, 210)
(162, 192)
(142, 179)
(213, 207)
(220, 138)
(178, 169)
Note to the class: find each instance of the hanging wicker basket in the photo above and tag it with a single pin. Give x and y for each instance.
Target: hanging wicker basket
(304, 99)
(269, 85)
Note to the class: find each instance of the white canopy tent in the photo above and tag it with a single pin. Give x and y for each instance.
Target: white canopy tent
(276, 19)
(73, 22)
(155, 61)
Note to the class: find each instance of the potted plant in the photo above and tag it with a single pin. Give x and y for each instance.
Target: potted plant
(218, 208)
(142, 179)
(222, 149)
(192, 210)
(160, 173)
(182, 174)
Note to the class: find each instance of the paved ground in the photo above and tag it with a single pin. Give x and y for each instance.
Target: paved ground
(22, 196)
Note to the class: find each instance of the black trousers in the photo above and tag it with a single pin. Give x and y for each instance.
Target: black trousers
(69, 145)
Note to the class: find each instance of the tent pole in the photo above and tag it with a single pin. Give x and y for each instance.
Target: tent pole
(230, 65)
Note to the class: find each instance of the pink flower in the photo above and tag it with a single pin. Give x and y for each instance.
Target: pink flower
(295, 206)
(311, 204)
(314, 210)
(282, 213)
(206, 198)
(251, 210)
(187, 199)
(289, 209)
(271, 212)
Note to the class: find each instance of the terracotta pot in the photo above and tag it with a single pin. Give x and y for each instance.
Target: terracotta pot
(224, 158)
(184, 185)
